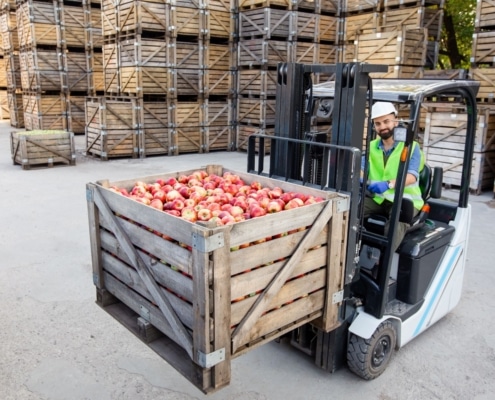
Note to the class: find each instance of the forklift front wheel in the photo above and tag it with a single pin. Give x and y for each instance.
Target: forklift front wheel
(368, 358)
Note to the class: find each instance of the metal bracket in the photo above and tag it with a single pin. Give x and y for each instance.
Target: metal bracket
(338, 297)
(205, 245)
(211, 359)
(343, 205)
(144, 313)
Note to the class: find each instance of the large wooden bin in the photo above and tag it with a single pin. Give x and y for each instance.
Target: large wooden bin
(42, 148)
(199, 295)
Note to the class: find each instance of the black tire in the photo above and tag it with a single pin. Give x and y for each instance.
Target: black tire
(368, 358)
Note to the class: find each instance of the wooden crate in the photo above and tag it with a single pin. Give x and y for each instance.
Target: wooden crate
(217, 82)
(143, 15)
(244, 131)
(186, 21)
(13, 70)
(205, 296)
(95, 69)
(486, 77)
(443, 145)
(41, 69)
(387, 4)
(217, 112)
(42, 148)
(266, 23)
(360, 24)
(186, 113)
(143, 66)
(186, 82)
(155, 124)
(109, 18)
(218, 24)
(485, 15)
(307, 26)
(305, 52)
(77, 74)
(76, 114)
(256, 111)
(185, 54)
(327, 54)
(218, 137)
(400, 72)
(412, 18)
(15, 109)
(329, 29)
(218, 56)
(262, 52)
(406, 47)
(483, 52)
(73, 26)
(187, 139)
(44, 111)
(38, 24)
(112, 127)
(257, 82)
(220, 5)
(4, 105)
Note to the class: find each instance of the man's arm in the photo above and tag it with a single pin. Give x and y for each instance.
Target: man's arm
(413, 170)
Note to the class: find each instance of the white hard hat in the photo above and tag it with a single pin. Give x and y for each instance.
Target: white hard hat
(382, 108)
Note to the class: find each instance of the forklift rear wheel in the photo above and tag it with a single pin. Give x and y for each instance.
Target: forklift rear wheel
(368, 358)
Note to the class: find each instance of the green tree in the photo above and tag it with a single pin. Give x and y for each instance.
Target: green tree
(457, 34)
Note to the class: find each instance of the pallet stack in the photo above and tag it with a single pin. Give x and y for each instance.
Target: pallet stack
(10, 90)
(170, 65)
(57, 44)
(278, 31)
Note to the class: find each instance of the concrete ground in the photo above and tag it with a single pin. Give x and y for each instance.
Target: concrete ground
(57, 344)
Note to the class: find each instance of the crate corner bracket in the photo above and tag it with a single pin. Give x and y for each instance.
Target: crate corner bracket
(211, 359)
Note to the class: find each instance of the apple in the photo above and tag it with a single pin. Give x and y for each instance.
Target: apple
(157, 203)
(273, 207)
(184, 191)
(190, 203)
(228, 219)
(236, 211)
(275, 193)
(178, 204)
(292, 204)
(173, 194)
(161, 195)
(256, 185)
(301, 196)
(204, 214)
(175, 213)
(161, 181)
(256, 211)
(182, 179)
(286, 197)
(170, 181)
(189, 214)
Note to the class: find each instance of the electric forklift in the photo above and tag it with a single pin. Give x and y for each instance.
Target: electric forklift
(389, 297)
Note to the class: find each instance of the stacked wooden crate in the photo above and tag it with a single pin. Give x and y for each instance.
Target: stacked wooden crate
(443, 144)
(171, 63)
(58, 42)
(271, 32)
(483, 52)
(10, 91)
(394, 33)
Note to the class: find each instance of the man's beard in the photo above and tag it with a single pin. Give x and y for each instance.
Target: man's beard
(386, 135)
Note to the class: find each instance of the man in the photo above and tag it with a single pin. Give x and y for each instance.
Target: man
(384, 159)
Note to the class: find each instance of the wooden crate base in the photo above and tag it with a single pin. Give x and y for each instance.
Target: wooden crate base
(29, 150)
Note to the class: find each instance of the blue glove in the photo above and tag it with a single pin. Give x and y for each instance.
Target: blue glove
(378, 187)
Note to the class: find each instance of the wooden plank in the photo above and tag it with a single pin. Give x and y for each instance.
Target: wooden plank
(483, 50)
(218, 24)
(485, 14)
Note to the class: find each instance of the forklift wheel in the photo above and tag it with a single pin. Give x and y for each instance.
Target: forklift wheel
(368, 358)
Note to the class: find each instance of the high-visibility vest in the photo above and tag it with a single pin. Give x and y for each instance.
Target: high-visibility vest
(378, 172)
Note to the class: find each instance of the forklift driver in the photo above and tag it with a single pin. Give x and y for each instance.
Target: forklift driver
(384, 157)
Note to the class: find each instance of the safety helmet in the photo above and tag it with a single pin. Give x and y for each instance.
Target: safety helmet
(382, 108)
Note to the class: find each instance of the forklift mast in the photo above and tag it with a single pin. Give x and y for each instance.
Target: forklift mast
(292, 121)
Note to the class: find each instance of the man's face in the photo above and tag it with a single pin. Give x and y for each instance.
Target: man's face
(385, 125)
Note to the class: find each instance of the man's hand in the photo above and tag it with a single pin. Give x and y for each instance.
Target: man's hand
(378, 187)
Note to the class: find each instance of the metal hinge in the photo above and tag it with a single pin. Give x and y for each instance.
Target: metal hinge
(338, 297)
(205, 245)
(211, 359)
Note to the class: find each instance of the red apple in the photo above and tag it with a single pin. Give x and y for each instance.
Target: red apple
(161, 195)
(189, 214)
(178, 204)
(204, 214)
(173, 194)
(175, 213)
(157, 203)
(273, 207)
(275, 193)
(292, 204)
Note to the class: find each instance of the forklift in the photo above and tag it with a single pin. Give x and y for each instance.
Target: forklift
(389, 297)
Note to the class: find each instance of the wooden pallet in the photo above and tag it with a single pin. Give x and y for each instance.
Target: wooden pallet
(211, 296)
(485, 15)
(253, 4)
(443, 145)
(483, 52)
(266, 23)
(112, 127)
(34, 149)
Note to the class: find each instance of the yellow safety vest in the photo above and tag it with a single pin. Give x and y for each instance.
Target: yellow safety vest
(377, 172)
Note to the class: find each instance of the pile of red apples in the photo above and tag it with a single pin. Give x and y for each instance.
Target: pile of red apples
(224, 200)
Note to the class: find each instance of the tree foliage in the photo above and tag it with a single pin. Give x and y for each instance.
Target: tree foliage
(457, 34)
